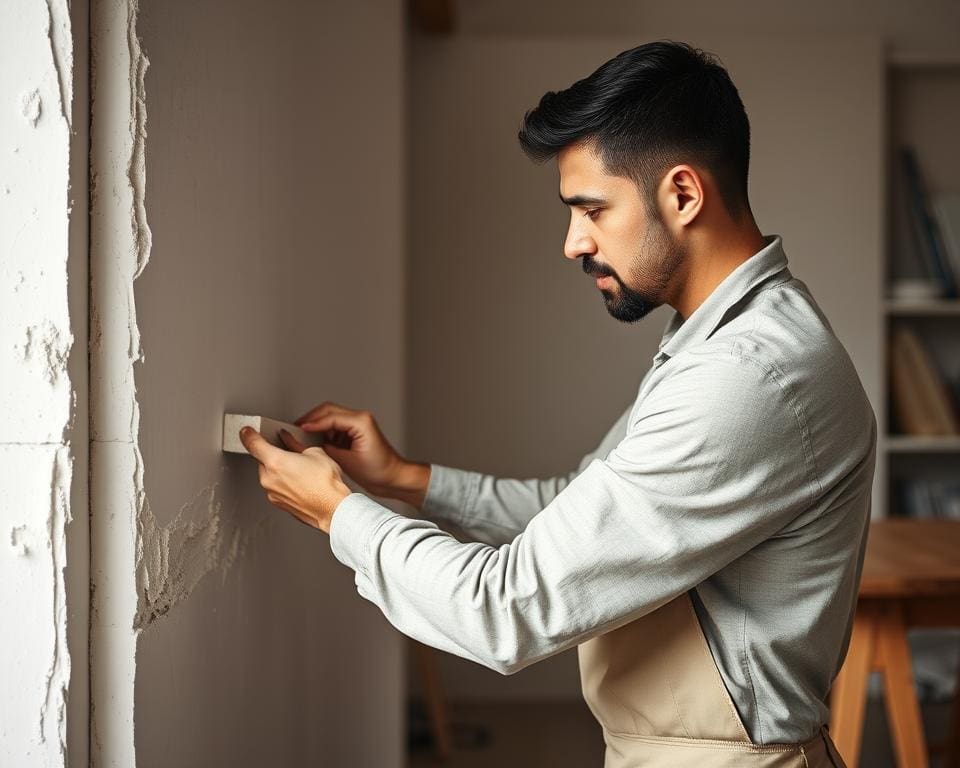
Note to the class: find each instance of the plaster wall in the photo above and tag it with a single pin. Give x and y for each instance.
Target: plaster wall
(248, 221)
(515, 366)
(43, 456)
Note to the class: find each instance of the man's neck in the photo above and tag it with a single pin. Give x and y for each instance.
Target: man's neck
(707, 269)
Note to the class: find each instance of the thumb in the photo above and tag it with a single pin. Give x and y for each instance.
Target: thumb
(256, 444)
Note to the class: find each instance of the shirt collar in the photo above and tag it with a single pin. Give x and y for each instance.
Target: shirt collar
(704, 320)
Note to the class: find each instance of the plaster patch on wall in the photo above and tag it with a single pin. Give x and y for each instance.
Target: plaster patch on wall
(31, 106)
(172, 559)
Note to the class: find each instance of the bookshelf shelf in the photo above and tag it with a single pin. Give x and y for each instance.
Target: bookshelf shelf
(938, 307)
(914, 444)
(920, 474)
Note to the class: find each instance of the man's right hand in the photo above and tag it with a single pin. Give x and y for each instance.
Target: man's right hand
(353, 439)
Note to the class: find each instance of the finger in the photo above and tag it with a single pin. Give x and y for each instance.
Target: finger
(331, 449)
(332, 437)
(257, 446)
(319, 410)
(352, 423)
(290, 441)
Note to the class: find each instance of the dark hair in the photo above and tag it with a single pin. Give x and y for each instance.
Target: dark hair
(646, 110)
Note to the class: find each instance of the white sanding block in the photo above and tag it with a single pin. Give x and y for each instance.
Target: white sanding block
(269, 428)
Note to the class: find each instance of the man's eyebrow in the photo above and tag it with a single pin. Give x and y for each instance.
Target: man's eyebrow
(582, 200)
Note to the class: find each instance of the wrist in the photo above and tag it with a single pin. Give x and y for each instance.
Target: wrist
(410, 482)
(340, 491)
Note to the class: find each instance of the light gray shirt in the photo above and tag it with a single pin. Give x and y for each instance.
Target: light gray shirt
(741, 471)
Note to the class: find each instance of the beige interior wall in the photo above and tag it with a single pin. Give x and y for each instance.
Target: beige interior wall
(925, 25)
(515, 366)
(274, 195)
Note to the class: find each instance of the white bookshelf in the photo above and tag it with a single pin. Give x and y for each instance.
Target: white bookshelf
(930, 307)
(923, 110)
(914, 444)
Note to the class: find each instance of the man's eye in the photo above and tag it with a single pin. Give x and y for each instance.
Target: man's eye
(592, 214)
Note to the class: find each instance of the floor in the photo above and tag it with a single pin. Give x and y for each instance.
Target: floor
(554, 733)
(563, 733)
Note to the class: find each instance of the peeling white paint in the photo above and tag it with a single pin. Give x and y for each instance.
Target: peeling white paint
(37, 397)
(61, 51)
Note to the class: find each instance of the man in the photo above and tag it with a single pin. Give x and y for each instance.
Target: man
(705, 557)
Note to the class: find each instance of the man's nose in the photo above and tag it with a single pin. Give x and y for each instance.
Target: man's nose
(578, 243)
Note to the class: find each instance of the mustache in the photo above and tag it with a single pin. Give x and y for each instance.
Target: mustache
(595, 270)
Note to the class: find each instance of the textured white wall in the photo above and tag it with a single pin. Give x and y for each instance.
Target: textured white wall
(42, 387)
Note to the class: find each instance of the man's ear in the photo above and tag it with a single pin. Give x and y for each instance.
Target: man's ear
(683, 193)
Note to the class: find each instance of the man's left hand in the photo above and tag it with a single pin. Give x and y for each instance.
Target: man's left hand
(305, 482)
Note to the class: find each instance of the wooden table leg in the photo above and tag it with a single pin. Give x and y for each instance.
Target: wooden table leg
(953, 744)
(892, 655)
(426, 660)
(848, 697)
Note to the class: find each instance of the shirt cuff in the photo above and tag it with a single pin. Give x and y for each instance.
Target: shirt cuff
(355, 521)
(451, 494)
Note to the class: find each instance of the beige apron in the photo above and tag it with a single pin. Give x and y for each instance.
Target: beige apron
(655, 689)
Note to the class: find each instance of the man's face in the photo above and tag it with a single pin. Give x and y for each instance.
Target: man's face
(632, 254)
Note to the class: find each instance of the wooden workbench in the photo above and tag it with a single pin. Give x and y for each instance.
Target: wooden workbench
(911, 578)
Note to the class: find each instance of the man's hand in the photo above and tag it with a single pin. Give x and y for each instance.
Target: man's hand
(303, 481)
(353, 438)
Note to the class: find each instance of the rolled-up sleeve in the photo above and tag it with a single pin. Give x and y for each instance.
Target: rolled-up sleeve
(706, 470)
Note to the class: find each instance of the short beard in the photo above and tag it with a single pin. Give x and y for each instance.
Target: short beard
(631, 305)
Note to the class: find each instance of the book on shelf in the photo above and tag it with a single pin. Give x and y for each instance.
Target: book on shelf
(925, 226)
(946, 213)
(930, 498)
(923, 403)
